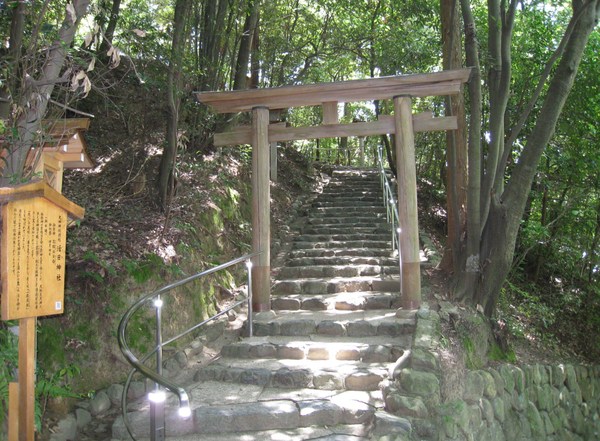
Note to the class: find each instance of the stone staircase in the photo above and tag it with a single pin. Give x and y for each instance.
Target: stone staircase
(314, 368)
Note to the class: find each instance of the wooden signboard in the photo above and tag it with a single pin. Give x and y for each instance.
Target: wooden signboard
(34, 233)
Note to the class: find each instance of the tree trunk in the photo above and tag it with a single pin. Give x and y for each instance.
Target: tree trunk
(109, 32)
(255, 58)
(592, 260)
(466, 282)
(166, 178)
(456, 142)
(246, 44)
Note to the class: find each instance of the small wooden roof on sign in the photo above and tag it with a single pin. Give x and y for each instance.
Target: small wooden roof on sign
(67, 142)
(447, 82)
(41, 189)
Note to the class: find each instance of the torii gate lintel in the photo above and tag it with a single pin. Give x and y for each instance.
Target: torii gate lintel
(401, 89)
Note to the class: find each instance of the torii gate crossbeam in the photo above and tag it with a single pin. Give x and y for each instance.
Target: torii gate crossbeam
(403, 124)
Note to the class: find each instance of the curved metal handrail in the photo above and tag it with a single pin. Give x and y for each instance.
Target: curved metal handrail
(391, 205)
(138, 364)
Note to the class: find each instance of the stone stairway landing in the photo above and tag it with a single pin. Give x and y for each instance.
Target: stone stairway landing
(316, 363)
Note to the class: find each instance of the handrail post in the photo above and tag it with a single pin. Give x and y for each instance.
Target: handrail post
(161, 384)
(157, 397)
(250, 310)
(391, 205)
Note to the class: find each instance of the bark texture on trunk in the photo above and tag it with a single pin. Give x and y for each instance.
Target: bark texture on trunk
(456, 141)
(166, 178)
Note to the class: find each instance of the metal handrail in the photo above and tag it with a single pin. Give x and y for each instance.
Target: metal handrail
(138, 364)
(391, 206)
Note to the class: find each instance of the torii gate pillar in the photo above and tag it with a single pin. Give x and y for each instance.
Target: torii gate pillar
(261, 201)
(407, 203)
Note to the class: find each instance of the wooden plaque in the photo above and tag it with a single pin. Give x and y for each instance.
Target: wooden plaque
(34, 233)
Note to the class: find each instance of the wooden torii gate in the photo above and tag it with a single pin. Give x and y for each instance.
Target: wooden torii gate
(403, 124)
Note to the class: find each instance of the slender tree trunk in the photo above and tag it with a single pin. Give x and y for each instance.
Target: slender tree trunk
(456, 142)
(246, 43)
(166, 179)
(592, 260)
(470, 262)
(255, 58)
(109, 32)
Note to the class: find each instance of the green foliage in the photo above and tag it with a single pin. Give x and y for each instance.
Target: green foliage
(144, 269)
(497, 354)
(56, 385)
(9, 361)
(520, 308)
(50, 344)
(472, 362)
(101, 269)
(49, 384)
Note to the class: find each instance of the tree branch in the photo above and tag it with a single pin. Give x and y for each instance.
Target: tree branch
(71, 109)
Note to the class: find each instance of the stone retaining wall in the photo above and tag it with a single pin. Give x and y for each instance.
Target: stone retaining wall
(504, 403)
(536, 402)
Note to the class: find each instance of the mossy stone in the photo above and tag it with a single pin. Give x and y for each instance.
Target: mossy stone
(406, 406)
(422, 359)
(454, 417)
(474, 385)
(559, 375)
(548, 426)
(499, 406)
(487, 410)
(519, 401)
(519, 379)
(497, 379)
(508, 378)
(536, 423)
(489, 384)
(419, 383)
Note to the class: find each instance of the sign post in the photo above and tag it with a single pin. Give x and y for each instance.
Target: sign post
(32, 269)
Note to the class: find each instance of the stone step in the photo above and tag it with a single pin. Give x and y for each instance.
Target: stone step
(348, 236)
(341, 252)
(366, 349)
(294, 374)
(227, 411)
(342, 260)
(349, 301)
(343, 195)
(350, 221)
(344, 201)
(335, 285)
(377, 244)
(364, 179)
(339, 323)
(322, 271)
(379, 227)
(349, 189)
(348, 211)
(355, 171)
(325, 432)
